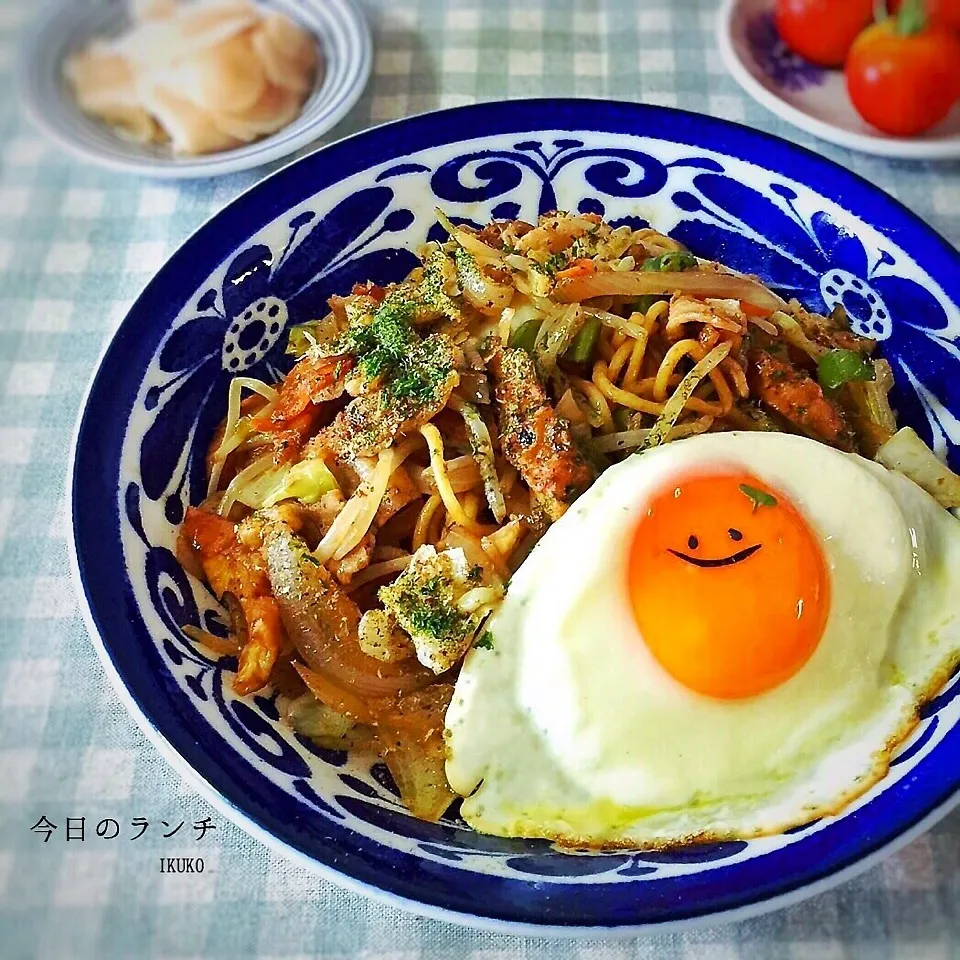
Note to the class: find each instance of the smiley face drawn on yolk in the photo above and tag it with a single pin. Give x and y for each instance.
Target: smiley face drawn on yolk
(737, 557)
(731, 597)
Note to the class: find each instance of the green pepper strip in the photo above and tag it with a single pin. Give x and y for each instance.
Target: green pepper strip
(585, 342)
(838, 367)
(670, 262)
(525, 336)
(643, 303)
(621, 418)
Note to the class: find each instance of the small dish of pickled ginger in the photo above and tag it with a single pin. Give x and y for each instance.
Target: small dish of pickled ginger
(186, 88)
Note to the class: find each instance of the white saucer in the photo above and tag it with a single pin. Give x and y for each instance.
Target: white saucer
(809, 97)
(343, 38)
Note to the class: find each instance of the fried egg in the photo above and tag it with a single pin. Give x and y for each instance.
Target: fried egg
(724, 637)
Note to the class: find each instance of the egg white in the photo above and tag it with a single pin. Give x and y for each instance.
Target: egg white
(569, 728)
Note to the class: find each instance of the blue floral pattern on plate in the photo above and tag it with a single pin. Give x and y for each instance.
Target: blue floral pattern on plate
(244, 278)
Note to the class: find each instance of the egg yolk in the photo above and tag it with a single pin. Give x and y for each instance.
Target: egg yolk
(728, 585)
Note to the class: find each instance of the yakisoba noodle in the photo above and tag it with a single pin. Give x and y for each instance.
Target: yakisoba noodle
(431, 430)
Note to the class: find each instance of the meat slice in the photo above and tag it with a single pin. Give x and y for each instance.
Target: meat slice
(534, 439)
(798, 398)
(264, 642)
(234, 567)
(416, 393)
(312, 380)
(229, 565)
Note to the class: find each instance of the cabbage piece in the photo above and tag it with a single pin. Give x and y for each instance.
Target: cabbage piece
(306, 481)
(307, 715)
(264, 484)
(322, 334)
(251, 484)
(325, 726)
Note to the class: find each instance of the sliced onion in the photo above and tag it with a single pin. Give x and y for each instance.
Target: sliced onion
(473, 551)
(414, 750)
(554, 338)
(794, 334)
(697, 283)
(672, 409)
(462, 472)
(906, 453)
(569, 409)
(353, 521)
(631, 329)
(473, 244)
(763, 324)
(482, 447)
(505, 540)
(221, 645)
(624, 440)
(322, 622)
(381, 553)
(482, 293)
(264, 464)
(631, 439)
(516, 262)
(334, 696)
(377, 571)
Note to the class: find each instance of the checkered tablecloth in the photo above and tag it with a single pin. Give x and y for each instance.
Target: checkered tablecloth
(76, 246)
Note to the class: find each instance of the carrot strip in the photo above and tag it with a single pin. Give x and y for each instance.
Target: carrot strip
(579, 268)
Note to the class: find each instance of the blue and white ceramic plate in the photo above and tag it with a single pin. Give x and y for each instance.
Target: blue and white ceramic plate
(354, 211)
(345, 53)
(814, 99)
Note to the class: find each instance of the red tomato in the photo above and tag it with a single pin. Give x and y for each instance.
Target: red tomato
(822, 30)
(904, 83)
(946, 13)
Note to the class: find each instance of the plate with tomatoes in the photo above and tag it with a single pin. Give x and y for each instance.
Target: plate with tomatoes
(881, 77)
